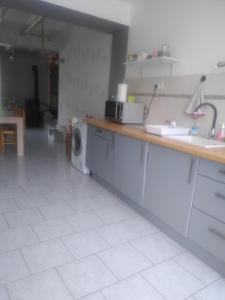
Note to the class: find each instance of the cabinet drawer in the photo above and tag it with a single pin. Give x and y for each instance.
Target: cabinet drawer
(107, 135)
(208, 233)
(213, 170)
(210, 197)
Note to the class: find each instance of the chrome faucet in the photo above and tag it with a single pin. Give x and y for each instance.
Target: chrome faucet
(212, 130)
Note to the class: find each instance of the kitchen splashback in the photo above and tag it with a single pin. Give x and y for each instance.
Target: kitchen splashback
(170, 103)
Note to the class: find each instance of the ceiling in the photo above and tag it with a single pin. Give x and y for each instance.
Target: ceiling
(24, 23)
(129, 1)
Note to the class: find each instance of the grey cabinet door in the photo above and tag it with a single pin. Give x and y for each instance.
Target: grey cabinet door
(99, 158)
(208, 233)
(130, 163)
(169, 187)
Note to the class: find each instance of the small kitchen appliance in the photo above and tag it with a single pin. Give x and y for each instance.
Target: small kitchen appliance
(124, 112)
(79, 140)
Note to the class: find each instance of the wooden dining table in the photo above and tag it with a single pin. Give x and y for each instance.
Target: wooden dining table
(19, 122)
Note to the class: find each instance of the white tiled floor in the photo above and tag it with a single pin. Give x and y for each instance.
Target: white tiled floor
(64, 237)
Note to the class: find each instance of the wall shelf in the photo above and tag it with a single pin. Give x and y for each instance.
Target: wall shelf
(170, 61)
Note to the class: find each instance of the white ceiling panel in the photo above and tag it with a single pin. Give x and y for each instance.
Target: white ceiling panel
(22, 20)
(15, 16)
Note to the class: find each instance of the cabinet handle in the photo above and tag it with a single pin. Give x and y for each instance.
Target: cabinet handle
(222, 172)
(107, 151)
(142, 153)
(116, 113)
(147, 159)
(191, 171)
(217, 233)
(113, 142)
(218, 195)
(98, 130)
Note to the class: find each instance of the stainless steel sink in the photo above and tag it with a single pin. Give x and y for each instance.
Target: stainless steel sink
(199, 141)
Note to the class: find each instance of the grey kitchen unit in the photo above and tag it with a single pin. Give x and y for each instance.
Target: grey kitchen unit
(182, 194)
(130, 164)
(207, 225)
(100, 154)
(169, 186)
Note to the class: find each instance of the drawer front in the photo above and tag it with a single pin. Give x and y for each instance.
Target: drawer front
(208, 233)
(210, 197)
(107, 135)
(211, 169)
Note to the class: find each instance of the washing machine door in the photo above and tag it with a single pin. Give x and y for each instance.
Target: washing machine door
(77, 142)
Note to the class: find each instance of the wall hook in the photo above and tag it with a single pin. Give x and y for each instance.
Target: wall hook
(203, 78)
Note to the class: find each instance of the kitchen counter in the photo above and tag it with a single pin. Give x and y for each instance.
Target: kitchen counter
(215, 154)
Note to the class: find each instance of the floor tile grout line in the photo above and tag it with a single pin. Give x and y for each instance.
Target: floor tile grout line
(4, 217)
(192, 273)
(109, 245)
(127, 277)
(63, 281)
(100, 292)
(26, 224)
(19, 279)
(68, 223)
(11, 211)
(205, 287)
(44, 218)
(117, 278)
(36, 274)
(17, 248)
(162, 261)
(34, 233)
(25, 262)
(172, 259)
(94, 212)
(130, 243)
(67, 248)
(166, 260)
(7, 291)
(154, 288)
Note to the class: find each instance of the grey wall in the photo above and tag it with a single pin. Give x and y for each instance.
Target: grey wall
(84, 75)
(17, 76)
(118, 57)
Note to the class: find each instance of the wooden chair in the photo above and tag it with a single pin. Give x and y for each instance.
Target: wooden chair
(20, 112)
(0, 141)
(8, 134)
(7, 137)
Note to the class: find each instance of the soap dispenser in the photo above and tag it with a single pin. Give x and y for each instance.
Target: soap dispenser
(221, 134)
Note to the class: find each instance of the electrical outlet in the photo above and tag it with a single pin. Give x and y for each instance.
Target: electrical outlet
(160, 86)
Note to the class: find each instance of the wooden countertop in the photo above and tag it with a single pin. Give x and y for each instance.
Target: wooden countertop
(215, 154)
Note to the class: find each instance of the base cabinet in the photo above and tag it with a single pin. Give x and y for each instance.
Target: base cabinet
(130, 163)
(207, 225)
(208, 232)
(169, 186)
(100, 155)
(184, 192)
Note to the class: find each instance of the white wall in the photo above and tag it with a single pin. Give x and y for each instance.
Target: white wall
(84, 75)
(194, 29)
(111, 10)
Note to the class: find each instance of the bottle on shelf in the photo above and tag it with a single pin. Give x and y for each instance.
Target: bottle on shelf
(195, 127)
(221, 134)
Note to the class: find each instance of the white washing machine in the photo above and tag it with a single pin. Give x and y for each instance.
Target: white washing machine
(79, 141)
